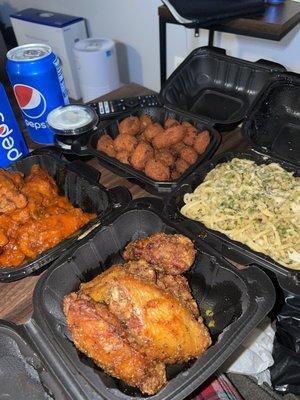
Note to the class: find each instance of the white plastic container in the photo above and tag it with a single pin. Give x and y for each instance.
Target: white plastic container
(60, 31)
(97, 67)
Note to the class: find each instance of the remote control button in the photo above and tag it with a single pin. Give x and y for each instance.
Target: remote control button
(132, 102)
(101, 109)
(111, 106)
(106, 107)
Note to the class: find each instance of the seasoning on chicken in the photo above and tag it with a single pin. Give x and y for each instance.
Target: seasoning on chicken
(42, 220)
(170, 254)
(157, 170)
(10, 196)
(130, 126)
(125, 142)
(101, 336)
(106, 145)
(201, 142)
(133, 320)
(141, 154)
(163, 153)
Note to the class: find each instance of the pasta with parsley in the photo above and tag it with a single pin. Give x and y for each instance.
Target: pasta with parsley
(258, 205)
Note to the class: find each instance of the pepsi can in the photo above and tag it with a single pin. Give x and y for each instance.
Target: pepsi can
(12, 143)
(36, 76)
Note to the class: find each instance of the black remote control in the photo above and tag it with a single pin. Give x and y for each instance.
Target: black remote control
(113, 108)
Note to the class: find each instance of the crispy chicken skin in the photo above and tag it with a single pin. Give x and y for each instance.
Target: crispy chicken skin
(106, 145)
(133, 319)
(170, 254)
(10, 196)
(157, 322)
(163, 153)
(30, 227)
(100, 335)
(130, 126)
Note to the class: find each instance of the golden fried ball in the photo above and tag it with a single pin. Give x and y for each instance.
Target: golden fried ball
(169, 122)
(123, 156)
(157, 170)
(175, 175)
(141, 154)
(130, 126)
(190, 134)
(125, 142)
(169, 137)
(189, 155)
(165, 157)
(152, 130)
(201, 142)
(176, 148)
(145, 120)
(106, 145)
(181, 165)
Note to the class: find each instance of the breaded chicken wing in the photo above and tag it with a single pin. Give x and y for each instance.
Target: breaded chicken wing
(170, 254)
(101, 336)
(159, 325)
(10, 196)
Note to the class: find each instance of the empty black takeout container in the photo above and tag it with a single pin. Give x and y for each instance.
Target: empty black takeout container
(235, 301)
(215, 87)
(159, 114)
(79, 182)
(273, 129)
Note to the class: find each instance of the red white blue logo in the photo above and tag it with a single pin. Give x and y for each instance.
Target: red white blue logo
(30, 100)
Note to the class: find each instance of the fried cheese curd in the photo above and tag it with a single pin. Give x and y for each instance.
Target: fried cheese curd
(136, 318)
(161, 150)
(36, 218)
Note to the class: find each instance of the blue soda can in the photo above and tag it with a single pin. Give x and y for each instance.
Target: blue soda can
(36, 76)
(12, 143)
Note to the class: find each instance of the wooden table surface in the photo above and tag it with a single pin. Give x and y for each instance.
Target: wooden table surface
(16, 297)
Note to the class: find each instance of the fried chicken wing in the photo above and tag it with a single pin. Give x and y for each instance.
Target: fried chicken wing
(36, 236)
(157, 322)
(170, 254)
(101, 336)
(10, 196)
(36, 217)
(134, 319)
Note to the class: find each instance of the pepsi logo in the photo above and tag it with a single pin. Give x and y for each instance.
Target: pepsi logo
(30, 100)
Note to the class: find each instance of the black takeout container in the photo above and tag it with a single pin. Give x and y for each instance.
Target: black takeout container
(211, 90)
(159, 114)
(215, 87)
(236, 301)
(79, 182)
(273, 129)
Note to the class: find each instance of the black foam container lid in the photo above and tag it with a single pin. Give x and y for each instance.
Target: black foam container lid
(272, 127)
(216, 87)
(238, 299)
(79, 182)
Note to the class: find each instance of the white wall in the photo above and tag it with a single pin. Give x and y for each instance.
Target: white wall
(134, 24)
